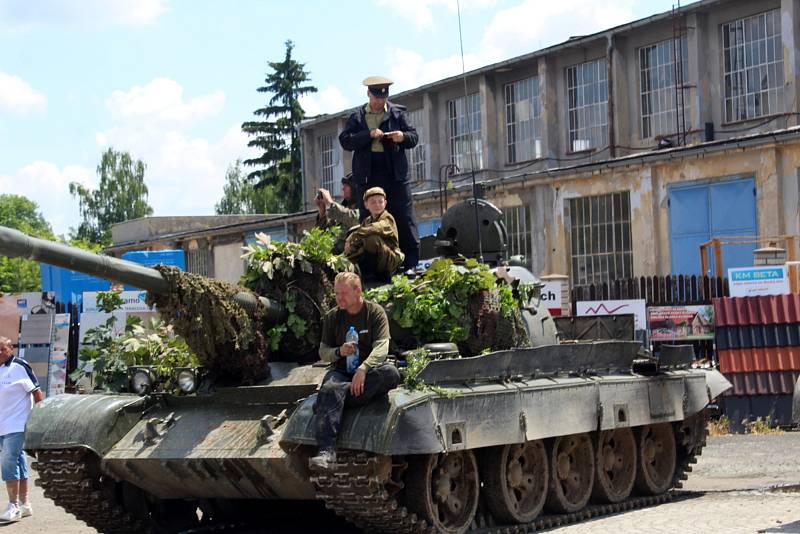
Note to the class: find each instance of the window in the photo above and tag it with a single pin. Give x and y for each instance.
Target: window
(523, 120)
(659, 83)
(200, 261)
(418, 163)
(519, 225)
(600, 238)
(458, 112)
(329, 164)
(587, 96)
(753, 58)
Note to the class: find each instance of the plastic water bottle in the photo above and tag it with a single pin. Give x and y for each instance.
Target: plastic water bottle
(352, 360)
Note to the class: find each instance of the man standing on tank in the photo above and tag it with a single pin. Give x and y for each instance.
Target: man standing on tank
(19, 390)
(379, 134)
(340, 388)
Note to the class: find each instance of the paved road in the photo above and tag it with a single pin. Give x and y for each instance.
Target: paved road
(726, 493)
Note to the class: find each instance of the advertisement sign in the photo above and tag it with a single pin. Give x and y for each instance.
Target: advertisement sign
(671, 323)
(753, 281)
(133, 301)
(619, 307)
(551, 296)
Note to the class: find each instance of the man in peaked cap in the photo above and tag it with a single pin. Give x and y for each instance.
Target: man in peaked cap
(379, 134)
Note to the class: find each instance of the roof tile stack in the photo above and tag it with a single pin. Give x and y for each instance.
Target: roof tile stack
(758, 343)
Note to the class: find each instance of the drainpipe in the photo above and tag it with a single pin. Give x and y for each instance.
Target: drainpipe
(612, 150)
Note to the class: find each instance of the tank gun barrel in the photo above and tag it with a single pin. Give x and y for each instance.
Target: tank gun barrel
(16, 244)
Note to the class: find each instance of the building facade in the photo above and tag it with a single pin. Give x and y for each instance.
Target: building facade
(615, 154)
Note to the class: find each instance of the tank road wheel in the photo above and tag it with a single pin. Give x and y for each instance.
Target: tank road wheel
(515, 478)
(571, 473)
(656, 459)
(616, 465)
(443, 489)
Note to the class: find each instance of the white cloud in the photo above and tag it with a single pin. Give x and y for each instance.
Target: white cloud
(162, 99)
(409, 69)
(185, 174)
(420, 12)
(47, 184)
(524, 28)
(328, 100)
(17, 96)
(94, 14)
(533, 24)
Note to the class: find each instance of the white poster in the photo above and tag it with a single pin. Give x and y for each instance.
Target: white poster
(551, 296)
(133, 301)
(754, 281)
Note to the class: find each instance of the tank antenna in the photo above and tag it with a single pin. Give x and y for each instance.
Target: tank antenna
(471, 146)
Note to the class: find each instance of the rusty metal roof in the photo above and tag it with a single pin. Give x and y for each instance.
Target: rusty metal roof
(768, 309)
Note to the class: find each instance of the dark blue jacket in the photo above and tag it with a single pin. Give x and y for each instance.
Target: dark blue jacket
(355, 137)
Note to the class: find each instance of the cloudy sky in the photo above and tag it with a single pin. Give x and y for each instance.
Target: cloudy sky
(171, 81)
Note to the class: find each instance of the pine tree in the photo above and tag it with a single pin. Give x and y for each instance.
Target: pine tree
(279, 164)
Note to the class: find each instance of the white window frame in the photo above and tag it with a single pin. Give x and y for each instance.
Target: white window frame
(459, 135)
(587, 105)
(418, 160)
(658, 80)
(752, 62)
(329, 169)
(523, 120)
(600, 243)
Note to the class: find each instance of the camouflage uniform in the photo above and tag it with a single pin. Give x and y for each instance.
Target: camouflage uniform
(375, 244)
(338, 215)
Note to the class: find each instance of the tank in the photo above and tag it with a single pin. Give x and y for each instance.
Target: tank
(523, 438)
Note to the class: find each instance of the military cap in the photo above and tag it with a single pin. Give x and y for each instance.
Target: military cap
(378, 85)
(349, 180)
(372, 191)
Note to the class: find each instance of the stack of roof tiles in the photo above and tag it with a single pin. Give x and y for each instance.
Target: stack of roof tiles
(758, 344)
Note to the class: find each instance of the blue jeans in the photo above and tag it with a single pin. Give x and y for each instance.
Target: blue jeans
(13, 464)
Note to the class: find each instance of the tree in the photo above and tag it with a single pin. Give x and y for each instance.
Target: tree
(17, 274)
(121, 196)
(239, 195)
(279, 164)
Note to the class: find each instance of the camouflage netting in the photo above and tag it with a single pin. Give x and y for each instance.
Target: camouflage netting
(311, 294)
(227, 339)
(490, 328)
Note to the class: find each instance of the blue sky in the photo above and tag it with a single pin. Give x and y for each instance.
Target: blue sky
(171, 81)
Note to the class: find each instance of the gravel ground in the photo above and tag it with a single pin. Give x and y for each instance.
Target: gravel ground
(728, 492)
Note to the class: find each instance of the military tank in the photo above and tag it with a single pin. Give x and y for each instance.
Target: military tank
(510, 441)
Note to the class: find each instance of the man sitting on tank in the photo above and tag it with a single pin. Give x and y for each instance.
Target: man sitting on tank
(343, 215)
(374, 245)
(355, 339)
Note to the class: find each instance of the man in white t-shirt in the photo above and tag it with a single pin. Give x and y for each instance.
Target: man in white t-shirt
(19, 390)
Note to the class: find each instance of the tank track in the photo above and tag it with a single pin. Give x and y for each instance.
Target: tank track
(355, 490)
(68, 479)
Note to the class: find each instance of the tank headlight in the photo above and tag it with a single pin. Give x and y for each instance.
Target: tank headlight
(141, 380)
(187, 380)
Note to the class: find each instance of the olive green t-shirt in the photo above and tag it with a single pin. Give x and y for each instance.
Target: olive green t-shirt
(373, 335)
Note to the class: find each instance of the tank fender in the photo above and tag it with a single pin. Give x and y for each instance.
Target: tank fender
(717, 384)
(95, 422)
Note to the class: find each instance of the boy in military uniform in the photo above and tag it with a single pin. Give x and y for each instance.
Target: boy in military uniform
(343, 215)
(374, 244)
